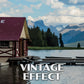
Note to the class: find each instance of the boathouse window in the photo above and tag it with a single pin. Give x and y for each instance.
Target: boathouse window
(4, 43)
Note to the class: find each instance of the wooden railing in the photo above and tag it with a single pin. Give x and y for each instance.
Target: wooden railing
(6, 51)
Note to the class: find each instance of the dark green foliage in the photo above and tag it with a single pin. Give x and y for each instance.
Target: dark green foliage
(41, 38)
(60, 40)
(51, 39)
(78, 45)
(36, 36)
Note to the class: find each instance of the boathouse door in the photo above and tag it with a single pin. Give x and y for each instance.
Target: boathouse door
(21, 47)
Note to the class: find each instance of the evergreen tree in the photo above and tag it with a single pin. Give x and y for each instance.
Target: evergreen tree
(44, 38)
(60, 40)
(36, 36)
(49, 37)
(41, 38)
(52, 40)
(55, 40)
(78, 45)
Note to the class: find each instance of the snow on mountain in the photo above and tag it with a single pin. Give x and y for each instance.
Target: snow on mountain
(30, 23)
(78, 27)
(41, 24)
(73, 33)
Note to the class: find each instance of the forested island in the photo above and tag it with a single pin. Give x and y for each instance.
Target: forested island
(44, 39)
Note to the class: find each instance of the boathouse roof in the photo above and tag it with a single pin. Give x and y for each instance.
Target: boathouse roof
(13, 28)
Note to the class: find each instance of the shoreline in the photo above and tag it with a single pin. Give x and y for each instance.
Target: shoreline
(53, 48)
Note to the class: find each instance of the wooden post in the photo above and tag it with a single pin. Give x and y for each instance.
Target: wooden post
(25, 48)
(17, 49)
(14, 48)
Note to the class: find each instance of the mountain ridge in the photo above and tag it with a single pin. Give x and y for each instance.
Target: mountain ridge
(41, 24)
(70, 33)
(73, 33)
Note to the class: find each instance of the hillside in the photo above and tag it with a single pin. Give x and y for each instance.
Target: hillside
(75, 44)
(73, 33)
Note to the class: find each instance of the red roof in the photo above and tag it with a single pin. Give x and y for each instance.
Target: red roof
(11, 28)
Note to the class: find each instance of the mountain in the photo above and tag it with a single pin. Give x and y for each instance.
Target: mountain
(41, 24)
(78, 37)
(30, 23)
(74, 44)
(73, 33)
(70, 34)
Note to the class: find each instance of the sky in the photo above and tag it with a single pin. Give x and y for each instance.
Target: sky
(52, 12)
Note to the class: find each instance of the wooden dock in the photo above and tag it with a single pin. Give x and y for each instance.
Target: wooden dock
(24, 60)
(66, 60)
(48, 60)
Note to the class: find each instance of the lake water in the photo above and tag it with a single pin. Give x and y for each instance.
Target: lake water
(56, 53)
(70, 75)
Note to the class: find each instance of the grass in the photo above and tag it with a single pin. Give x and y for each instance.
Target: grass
(52, 48)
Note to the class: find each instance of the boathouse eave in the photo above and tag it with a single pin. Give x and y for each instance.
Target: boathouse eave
(24, 33)
(17, 40)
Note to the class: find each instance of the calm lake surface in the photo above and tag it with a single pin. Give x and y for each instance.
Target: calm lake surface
(70, 74)
(56, 53)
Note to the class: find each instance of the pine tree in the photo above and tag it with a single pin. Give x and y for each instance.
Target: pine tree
(60, 40)
(49, 37)
(54, 40)
(78, 45)
(41, 38)
(44, 42)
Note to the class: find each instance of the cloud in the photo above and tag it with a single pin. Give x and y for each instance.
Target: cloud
(5, 3)
(4, 15)
(13, 10)
(71, 11)
(76, 1)
(54, 3)
(27, 9)
(1, 1)
(54, 20)
(62, 14)
(32, 0)
(30, 18)
(36, 6)
(19, 11)
(73, 1)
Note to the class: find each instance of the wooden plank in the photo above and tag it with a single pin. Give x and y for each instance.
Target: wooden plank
(79, 57)
(57, 57)
(17, 59)
(17, 49)
(64, 60)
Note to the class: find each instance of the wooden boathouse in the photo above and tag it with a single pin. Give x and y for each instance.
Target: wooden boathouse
(14, 37)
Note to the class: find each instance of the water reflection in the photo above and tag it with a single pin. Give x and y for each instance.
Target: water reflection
(12, 75)
(71, 74)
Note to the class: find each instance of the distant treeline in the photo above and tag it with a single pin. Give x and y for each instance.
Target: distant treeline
(41, 38)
